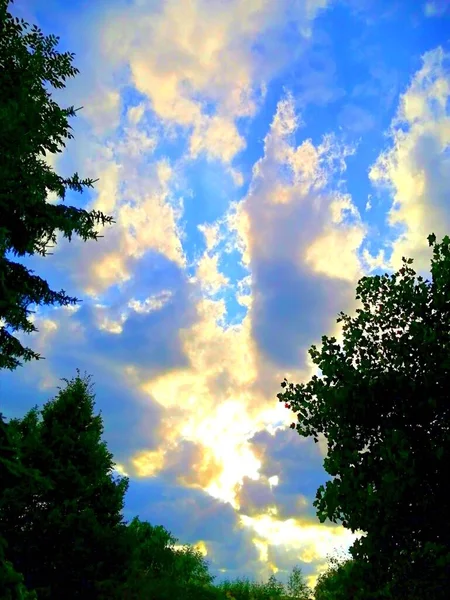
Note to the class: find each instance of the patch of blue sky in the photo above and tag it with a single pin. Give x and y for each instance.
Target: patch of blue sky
(211, 190)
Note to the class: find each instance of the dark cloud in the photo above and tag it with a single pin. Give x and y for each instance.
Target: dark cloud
(130, 418)
(256, 497)
(192, 515)
(298, 464)
(291, 309)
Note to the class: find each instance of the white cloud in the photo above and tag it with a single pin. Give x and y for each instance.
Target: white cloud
(136, 190)
(208, 274)
(211, 234)
(304, 539)
(290, 212)
(193, 53)
(218, 137)
(152, 303)
(416, 168)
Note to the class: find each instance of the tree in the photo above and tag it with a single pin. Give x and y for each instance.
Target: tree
(31, 124)
(296, 585)
(11, 471)
(65, 533)
(161, 571)
(382, 403)
(274, 588)
(245, 589)
(191, 568)
(345, 580)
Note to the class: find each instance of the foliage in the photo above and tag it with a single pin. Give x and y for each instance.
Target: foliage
(159, 570)
(245, 589)
(296, 585)
(11, 582)
(64, 530)
(383, 404)
(345, 581)
(32, 124)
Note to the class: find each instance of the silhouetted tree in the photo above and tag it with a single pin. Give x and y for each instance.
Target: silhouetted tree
(383, 403)
(65, 532)
(32, 124)
(12, 585)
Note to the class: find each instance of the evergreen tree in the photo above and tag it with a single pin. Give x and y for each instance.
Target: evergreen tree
(66, 533)
(11, 471)
(32, 124)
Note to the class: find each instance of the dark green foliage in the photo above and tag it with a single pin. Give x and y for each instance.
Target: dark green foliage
(11, 582)
(64, 529)
(383, 404)
(245, 589)
(158, 570)
(32, 124)
(346, 580)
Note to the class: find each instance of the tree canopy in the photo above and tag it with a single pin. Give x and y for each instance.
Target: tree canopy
(61, 515)
(63, 531)
(382, 402)
(32, 125)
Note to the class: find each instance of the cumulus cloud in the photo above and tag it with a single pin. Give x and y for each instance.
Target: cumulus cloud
(139, 192)
(186, 56)
(289, 226)
(415, 169)
(209, 275)
(192, 391)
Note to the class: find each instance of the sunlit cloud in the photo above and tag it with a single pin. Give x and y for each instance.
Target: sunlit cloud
(416, 167)
(302, 541)
(195, 308)
(288, 229)
(186, 56)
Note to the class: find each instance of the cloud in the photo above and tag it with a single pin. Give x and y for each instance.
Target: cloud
(212, 280)
(415, 170)
(206, 439)
(139, 192)
(356, 119)
(216, 136)
(188, 57)
(283, 519)
(436, 8)
(288, 227)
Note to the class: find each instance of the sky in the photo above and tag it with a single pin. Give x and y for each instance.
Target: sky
(259, 157)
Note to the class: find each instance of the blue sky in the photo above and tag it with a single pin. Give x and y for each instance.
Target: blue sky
(259, 157)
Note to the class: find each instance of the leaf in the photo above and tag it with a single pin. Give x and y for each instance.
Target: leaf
(381, 401)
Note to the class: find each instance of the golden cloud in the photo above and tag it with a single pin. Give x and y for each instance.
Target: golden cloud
(202, 51)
